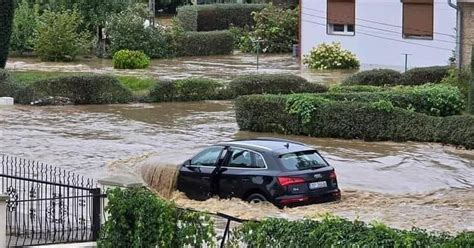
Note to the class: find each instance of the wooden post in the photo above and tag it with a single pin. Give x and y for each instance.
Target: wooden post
(471, 86)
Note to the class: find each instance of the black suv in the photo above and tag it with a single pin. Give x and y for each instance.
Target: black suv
(283, 172)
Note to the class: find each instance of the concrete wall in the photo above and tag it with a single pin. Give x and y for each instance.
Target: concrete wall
(467, 34)
(378, 37)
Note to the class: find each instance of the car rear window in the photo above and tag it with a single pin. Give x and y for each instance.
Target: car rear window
(302, 160)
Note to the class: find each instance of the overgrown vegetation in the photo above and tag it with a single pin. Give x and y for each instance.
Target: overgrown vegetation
(126, 59)
(333, 231)
(138, 218)
(319, 117)
(331, 56)
(7, 8)
(25, 24)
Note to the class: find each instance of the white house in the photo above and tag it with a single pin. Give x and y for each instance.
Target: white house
(380, 32)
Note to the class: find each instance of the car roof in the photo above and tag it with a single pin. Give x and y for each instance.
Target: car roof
(276, 146)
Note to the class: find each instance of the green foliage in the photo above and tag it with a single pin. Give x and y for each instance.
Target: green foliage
(191, 89)
(93, 89)
(356, 88)
(211, 17)
(376, 77)
(126, 31)
(126, 59)
(7, 8)
(272, 84)
(277, 29)
(205, 43)
(333, 231)
(25, 24)
(58, 37)
(349, 120)
(424, 75)
(138, 218)
(8, 87)
(458, 78)
(137, 83)
(331, 56)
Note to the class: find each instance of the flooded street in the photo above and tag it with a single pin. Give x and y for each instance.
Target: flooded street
(401, 184)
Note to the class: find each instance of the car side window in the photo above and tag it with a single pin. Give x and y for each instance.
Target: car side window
(207, 157)
(241, 158)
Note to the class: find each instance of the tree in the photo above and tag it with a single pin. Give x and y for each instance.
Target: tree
(7, 9)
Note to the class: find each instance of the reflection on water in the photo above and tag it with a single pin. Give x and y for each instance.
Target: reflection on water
(436, 182)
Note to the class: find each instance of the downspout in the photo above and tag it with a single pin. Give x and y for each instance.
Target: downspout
(458, 32)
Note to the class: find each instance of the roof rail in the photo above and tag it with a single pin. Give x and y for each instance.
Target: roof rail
(282, 140)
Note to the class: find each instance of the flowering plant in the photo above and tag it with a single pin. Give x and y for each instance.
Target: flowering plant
(331, 56)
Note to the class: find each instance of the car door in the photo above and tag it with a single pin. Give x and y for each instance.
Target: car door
(195, 175)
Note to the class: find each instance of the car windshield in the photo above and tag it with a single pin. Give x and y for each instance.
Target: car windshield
(302, 160)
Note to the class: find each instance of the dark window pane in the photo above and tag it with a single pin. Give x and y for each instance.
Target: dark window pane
(338, 28)
(350, 28)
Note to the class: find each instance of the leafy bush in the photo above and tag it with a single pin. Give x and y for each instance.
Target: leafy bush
(424, 75)
(191, 89)
(377, 77)
(7, 8)
(138, 218)
(356, 88)
(7, 86)
(58, 37)
(315, 116)
(272, 84)
(206, 43)
(458, 78)
(127, 32)
(210, 17)
(25, 23)
(126, 59)
(277, 29)
(338, 232)
(331, 56)
(435, 100)
(94, 89)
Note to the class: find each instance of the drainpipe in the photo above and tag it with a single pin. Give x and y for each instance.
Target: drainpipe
(458, 32)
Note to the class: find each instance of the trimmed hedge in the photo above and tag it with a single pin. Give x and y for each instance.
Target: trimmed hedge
(191, 89)
(376, 77)
(424, 75)
(338, 232)
(206, 43)
(273, 84)
(93, 89)
(356, 88)
(211, 17)
(435, 100)
(319, 117)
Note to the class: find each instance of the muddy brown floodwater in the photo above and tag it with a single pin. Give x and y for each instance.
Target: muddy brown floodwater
(402, 184)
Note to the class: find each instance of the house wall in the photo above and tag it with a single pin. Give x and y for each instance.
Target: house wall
(467, 34)
(378, 37)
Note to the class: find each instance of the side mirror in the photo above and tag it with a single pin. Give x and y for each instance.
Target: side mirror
(187, 163)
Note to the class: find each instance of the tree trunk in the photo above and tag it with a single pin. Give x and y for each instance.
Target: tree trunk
(7, 9)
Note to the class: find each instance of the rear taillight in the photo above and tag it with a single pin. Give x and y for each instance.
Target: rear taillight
(294, 200)
(285, 181)
(332, 175)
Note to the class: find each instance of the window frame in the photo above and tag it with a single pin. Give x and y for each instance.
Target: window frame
(208, 166)
(329, 26)
(226, 164)
(415, 37)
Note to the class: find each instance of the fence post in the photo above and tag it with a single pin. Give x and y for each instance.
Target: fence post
(3, 217)
(96, 215)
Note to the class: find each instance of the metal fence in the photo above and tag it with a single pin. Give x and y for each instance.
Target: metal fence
(48, 205)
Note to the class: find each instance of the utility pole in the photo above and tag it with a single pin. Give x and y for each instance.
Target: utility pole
(406, 60)
(152, 11)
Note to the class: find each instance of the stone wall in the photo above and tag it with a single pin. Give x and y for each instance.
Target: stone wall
(467, 35)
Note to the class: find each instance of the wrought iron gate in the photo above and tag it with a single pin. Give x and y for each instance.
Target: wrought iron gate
(48, 205)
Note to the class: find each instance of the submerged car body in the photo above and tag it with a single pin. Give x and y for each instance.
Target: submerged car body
(283, 172)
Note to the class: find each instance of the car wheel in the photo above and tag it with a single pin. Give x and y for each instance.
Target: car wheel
(256, 198)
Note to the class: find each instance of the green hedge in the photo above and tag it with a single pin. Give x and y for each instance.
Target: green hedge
(273, 84)
(206, 43)
(93, 89)
(376, 77)
(126, 59)
(424, 75)
(320, 117)
(337, 232)
(356, 88)
(191, 89)
(211, 17)
(435, 100)
(7, 8)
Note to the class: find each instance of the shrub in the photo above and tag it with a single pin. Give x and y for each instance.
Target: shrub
(272, 84)
(458, 78)
(7, 86)
(276, 28)
(191, 89)
(94, 89)
(331, 56)
(58, 37)
(127, 32)
(126, 59)
(210, 17)
(333, 231)
(138, 218)
(319, 117)
(7, 8)
(25, 24)
(356, 88)
(377, 77)
(424, 75)
(206, 43)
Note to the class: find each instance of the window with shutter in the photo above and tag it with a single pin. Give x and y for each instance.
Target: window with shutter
(418, 19)
(341, 17)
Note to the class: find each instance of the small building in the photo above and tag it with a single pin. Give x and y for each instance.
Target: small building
(381, 32)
